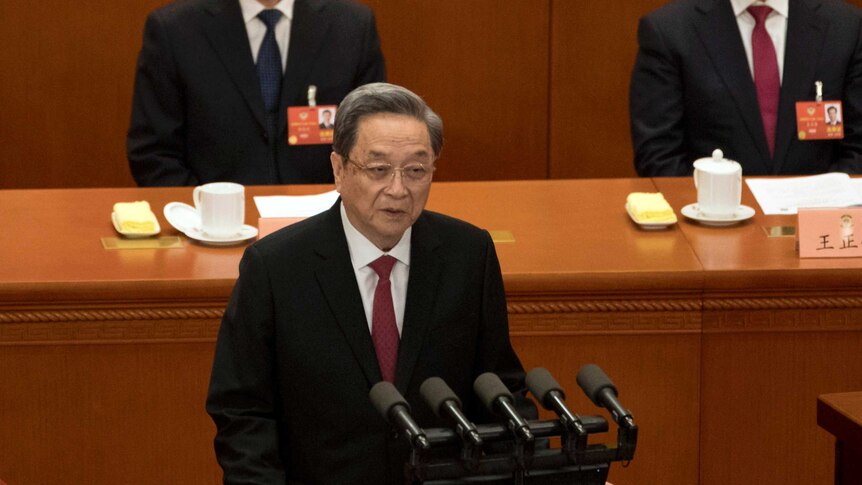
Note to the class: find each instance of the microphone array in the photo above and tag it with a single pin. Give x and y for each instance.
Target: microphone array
(526, 455)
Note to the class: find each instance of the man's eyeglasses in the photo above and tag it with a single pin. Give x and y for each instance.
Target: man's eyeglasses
(415, 173)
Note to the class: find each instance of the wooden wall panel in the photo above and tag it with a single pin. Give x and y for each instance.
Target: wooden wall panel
(527, 90)
(103, 412)
(762, 373)
(656, 372)
(593, 47)
(65, 91)
(483, 66)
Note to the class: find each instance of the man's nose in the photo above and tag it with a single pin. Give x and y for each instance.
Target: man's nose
(396, 184)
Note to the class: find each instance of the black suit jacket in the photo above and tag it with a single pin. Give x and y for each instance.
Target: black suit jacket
(692, 90)
(294, 360)
(198, 113)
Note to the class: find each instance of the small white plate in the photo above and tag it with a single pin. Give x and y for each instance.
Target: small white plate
(245, 233)
(182, 216)
(186, 219)
(134, 235)
(743, 213)
(649, 225)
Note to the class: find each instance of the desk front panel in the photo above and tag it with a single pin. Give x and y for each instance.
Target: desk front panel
(716, 338)
(584, 284)
(777, 332)
(106, 354)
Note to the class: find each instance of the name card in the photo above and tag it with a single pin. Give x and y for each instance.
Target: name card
(268, 225)
(830, 233)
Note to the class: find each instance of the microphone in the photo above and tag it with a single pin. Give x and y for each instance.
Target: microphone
(497, 399)
(394, 409)
(602, 392)
(443, 400)
(551, 395)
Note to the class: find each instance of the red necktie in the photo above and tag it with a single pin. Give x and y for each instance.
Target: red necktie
(384, 330)
(766, 78)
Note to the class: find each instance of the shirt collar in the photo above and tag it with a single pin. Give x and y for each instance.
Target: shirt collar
(250, 9)
(363, 252)
(779, 6)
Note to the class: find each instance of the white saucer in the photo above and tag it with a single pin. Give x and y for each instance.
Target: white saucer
(186, 219)
(741, 214)
(134, 235)
(182, 216)
(650, 225)
(245, 233)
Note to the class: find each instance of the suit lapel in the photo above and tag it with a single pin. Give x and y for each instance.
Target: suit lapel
(421, 292)
(718, 31)
(805, 33)
(338, 281)
(308, 31)
(226, 32)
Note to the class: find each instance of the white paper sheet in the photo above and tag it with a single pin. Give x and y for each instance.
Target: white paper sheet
(294, 205)
(785, 195)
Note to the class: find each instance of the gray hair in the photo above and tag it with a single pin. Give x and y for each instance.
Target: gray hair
(378, 98)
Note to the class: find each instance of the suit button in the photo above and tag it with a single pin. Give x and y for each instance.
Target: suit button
(265, 135)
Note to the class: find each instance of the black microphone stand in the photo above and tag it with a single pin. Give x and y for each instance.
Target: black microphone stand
(576, 463)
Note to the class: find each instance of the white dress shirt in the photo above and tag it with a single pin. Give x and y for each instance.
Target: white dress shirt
(362, 253)
(776, 26)
(256, 29)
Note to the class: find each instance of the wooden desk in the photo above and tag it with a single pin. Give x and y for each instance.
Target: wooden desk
(584, 284)
(105, 355)
(777, 332)
(841, 415)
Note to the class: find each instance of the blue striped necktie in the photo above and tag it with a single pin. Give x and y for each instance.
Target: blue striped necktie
(269, 61)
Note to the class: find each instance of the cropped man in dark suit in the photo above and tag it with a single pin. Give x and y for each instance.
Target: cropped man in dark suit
(693, 88)
(200, 113)
(303, 338)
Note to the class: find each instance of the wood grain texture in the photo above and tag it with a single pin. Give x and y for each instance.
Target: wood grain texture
(759, 393)
(777, 332)
(593, 47)
(651, 373)
(106, 414)
(743, 263)
(527, 90)
(66, 91)
(482, 66)
(719, 340)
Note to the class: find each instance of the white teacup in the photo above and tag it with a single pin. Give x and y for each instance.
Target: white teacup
(719, 185)
(221, 206)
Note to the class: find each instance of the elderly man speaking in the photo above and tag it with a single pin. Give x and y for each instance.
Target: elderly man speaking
(376, 288)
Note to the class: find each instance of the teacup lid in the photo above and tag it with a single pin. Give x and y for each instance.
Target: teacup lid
(717, 163)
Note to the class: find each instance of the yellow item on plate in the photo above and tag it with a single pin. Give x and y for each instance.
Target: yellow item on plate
(650, 207)
(135, 217)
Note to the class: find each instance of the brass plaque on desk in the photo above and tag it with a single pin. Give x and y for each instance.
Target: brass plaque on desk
(780, 231)
(502, 236)
(164, 242)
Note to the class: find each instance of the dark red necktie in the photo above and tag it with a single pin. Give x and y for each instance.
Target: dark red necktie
(766, 78)
(384, 330)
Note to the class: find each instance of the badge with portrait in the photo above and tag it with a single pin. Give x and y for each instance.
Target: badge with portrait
(819, 120)
(310, 125)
